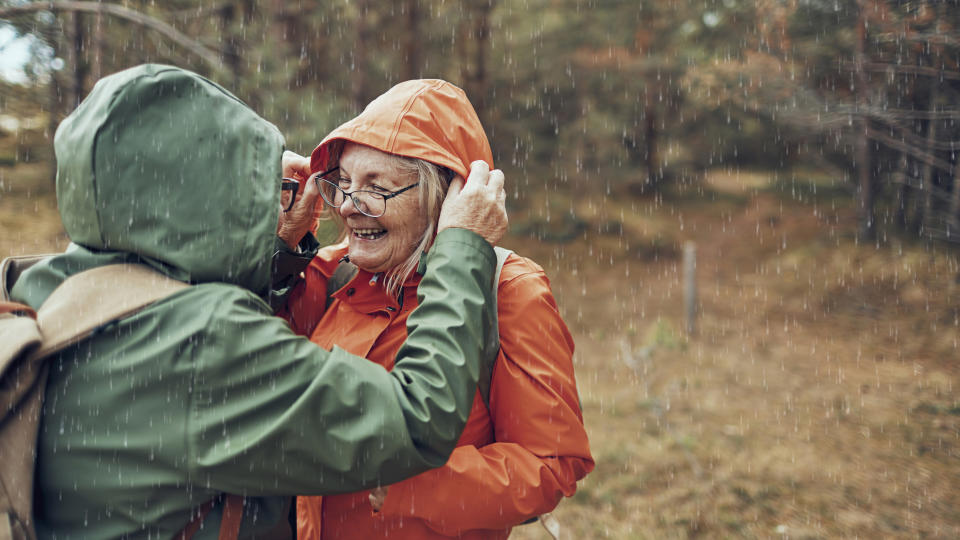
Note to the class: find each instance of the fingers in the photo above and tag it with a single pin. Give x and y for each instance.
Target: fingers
(479, 173)
(302, 216)
(294, 165)
(310, 189)
(496, 183)
(377, 497)
(477, 203)
(456, 186)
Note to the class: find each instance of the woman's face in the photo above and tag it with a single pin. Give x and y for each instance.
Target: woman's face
(381, 243)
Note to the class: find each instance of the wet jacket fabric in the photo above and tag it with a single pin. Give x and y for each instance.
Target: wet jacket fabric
(513, 461)
(206, 391)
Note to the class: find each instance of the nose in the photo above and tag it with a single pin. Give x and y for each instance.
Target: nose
(348, 208)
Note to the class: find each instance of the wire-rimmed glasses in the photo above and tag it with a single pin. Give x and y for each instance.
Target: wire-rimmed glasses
(368, 203)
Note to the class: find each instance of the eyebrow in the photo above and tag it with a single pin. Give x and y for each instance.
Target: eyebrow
(370, 176)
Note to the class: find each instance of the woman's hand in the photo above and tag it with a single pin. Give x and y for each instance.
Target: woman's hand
(293, 225)
(477, 205)
(295, 166)
(378, 496)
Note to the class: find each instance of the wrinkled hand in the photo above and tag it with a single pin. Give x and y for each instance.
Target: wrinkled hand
(478, 204)
(377, 497)
(295, 166)
(293, 225)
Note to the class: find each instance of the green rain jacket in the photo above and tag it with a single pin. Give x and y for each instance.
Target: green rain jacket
(206, 392)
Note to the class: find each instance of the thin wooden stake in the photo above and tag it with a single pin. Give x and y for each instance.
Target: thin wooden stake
(690, 286)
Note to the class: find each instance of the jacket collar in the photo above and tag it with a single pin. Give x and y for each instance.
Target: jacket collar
(365, 292)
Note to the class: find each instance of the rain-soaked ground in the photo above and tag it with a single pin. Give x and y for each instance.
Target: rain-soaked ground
(817, 398)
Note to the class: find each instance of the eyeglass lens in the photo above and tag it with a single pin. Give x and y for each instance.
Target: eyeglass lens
(367, 202)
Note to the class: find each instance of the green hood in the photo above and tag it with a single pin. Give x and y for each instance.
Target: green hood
(163, 164)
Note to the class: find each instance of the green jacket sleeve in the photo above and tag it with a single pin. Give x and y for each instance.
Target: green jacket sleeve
(272, 413)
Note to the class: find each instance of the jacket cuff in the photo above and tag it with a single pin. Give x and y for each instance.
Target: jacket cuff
(463, 239)
(288, 266)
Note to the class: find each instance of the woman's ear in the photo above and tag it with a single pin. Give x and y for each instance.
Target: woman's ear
(447, 175)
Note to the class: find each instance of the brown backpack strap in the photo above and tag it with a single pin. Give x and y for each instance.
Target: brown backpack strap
(75, 309)
(232, 516)
(229, 524)
(194, 525)
(92, 298)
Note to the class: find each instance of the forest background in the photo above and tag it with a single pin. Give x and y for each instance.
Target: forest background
(806, 149)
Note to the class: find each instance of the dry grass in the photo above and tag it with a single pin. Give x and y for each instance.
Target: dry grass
(29, 221)
(818, 399)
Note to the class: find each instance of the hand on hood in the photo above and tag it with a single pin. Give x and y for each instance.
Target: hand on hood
(295, 224)
(479, 205)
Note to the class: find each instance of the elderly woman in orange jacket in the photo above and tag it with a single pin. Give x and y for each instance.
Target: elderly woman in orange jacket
(384, 175)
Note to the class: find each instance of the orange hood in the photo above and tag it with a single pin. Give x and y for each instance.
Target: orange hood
(427, 119)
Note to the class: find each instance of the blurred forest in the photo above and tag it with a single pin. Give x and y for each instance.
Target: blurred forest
(808, 148)
(623, 96)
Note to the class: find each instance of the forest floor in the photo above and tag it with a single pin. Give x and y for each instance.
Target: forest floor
(817, 398)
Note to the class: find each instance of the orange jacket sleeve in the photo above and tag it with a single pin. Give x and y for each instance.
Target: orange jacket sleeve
(541, 447)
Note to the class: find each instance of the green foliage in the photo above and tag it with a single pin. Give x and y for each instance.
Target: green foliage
(662, 335)
(574, 94)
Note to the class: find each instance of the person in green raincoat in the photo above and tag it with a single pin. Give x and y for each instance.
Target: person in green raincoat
(206, 392)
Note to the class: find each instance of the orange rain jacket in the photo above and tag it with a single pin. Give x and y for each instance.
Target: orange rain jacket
(513, 461)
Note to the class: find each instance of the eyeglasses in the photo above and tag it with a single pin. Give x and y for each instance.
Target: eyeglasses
(369, 203)
(287, 199)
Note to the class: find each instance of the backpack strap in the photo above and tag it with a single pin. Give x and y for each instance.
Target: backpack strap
(232, 516)
(345, 271)
(486, 370)
(86, 301)
(75, 309)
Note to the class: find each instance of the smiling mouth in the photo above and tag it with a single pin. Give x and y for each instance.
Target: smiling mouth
(369, 234)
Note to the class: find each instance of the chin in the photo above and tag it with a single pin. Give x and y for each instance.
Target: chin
(365, 262)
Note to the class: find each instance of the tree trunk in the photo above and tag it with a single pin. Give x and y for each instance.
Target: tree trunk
(412, 64)
(463, 54)
(53, 119)
(476, 80)
(953, 218)
(865, 211)
(650, 136)
(308, 44)
(98, 44)
(359, 68)
(231, 44)
(903, 191)
(78, 68)
(925, 212)
(481, 81)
